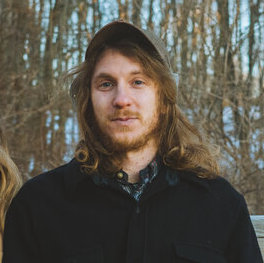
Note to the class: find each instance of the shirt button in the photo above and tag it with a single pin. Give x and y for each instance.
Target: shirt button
(120, 175)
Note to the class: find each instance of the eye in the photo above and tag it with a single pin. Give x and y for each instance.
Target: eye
(105, 85)
(138, 82)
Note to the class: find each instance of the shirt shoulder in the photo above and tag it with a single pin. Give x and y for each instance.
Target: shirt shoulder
(52, 182)
(218, 189)
(222, 189)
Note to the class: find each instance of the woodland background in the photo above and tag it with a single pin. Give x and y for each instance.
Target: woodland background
(216, 47)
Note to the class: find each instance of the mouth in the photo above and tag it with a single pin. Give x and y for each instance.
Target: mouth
(124, 120)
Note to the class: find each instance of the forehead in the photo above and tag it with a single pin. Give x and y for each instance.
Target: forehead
(112, 52)
(112, 59)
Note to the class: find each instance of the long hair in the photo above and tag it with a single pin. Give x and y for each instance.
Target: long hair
(181, 145)
(10, 180)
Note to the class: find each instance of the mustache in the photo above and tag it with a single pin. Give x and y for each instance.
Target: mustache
(124, 114)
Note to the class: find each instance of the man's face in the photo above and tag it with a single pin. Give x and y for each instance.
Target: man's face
(125, 102)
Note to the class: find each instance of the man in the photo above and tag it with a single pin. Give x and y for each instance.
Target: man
(143, 186)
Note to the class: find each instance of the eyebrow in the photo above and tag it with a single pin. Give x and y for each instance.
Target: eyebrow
(104, 75)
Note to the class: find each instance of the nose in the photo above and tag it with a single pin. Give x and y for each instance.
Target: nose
(122, 97)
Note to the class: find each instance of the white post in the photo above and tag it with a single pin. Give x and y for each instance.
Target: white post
(258, 223)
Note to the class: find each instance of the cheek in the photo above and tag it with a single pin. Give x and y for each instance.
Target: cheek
(100, 108)
(101, 99)
(148, 97)
(97, 101)
(151, 103)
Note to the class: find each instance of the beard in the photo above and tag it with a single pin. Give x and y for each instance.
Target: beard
(117, 145)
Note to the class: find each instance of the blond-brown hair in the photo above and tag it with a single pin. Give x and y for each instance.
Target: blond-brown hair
(181, 145)
(10, 180)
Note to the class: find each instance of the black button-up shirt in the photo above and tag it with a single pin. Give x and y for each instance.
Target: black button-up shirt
(66, 216)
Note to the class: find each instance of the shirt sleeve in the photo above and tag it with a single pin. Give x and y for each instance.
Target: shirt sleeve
(19, 243)
(243, 245)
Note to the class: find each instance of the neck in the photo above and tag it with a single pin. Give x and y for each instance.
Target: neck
(135, 161)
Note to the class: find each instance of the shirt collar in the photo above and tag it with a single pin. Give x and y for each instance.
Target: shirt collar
(193, 178)
(146, 175)
(74, 176)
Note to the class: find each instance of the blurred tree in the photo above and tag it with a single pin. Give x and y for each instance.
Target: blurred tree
(216, 47)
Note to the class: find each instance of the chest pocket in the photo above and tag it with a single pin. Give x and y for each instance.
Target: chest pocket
(184, 253)
(91, 255)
